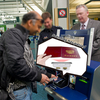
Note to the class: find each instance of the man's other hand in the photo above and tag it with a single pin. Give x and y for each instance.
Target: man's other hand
(42, 58)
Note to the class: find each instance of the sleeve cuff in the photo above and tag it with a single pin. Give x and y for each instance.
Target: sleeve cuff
(39, 76)
(49, 75)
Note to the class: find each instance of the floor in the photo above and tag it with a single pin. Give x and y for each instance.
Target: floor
(41, 95)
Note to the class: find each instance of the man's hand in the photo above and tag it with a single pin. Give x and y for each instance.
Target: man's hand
(44, 79)
(53, 76)
(42, 58)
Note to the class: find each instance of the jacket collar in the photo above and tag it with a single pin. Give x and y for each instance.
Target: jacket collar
(24, 31)
(49, 30)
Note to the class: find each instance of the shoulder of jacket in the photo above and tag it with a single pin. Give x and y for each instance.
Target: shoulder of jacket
(78, 24)
(58, 27)
(42, 31)
(15, 30)
(94, 21)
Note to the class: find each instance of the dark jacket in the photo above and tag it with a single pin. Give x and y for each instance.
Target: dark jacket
(13, 41)
(47, 33)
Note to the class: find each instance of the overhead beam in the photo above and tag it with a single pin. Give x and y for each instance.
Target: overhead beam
(8, 1)
(9, 7)
(38, 5)
(87, 2)
(28, 5)
(42, 3)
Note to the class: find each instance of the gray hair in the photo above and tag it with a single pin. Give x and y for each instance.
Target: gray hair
(82, 5)
(29, 16)
(33, 20)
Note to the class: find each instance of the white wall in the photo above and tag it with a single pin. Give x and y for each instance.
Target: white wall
(60, 4)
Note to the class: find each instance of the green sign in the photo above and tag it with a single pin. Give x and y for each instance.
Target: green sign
(3, 28)
(62, 13)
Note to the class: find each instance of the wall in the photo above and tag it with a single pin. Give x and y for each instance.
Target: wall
(61, 4)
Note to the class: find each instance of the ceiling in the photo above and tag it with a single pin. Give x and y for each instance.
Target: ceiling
(10, 9)
(93, 6)
(19, 7)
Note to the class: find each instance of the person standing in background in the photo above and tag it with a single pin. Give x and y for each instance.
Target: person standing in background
(1, 32)
(85, 23)
(49, 29)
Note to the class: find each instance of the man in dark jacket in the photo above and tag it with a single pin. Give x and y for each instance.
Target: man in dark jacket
(18, 58)
(49, 28)
(47, 34)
